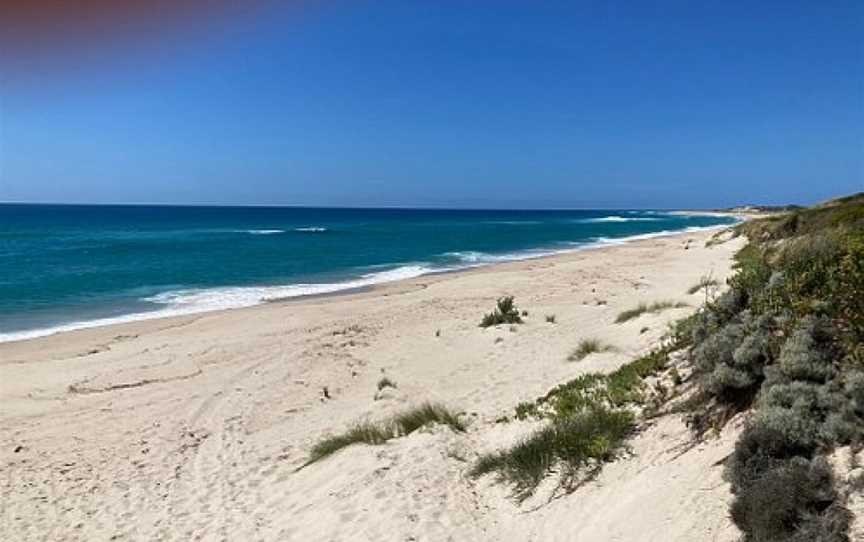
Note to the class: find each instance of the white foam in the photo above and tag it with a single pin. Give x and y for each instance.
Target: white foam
(264, 232)
(311, 229)
(194, 301)
(474, 258)
(616, 218)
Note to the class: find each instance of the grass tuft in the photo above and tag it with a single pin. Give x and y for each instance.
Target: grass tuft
(366, 433)
(376, 434)
(587, 347)
(704, 284)
(643, 308)
(428, 413)
(585, 440)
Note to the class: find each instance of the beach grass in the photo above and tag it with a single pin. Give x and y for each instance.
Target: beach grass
(703, 284)
(592, 436)
(428, 413)
(366, 433)
(375, 434)
(643, 308)
(587, 347)
(589, 421)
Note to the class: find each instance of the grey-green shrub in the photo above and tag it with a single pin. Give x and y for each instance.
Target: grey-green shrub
(793, 501)
(804, 356)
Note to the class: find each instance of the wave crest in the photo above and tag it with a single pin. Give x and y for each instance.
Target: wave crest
(616, 218)
(311, 229)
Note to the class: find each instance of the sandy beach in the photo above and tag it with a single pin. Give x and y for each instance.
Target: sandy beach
(193, 428)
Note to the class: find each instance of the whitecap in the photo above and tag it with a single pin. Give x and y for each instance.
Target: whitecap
(311, 229)
(616, 218)
(264, 232)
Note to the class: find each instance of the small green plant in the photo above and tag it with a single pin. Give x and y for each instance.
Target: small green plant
(643, 308)
(550, 318)
(587, 347)
(385, 383)
(505, 313)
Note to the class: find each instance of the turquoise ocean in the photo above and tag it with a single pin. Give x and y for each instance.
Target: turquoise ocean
(72, 266)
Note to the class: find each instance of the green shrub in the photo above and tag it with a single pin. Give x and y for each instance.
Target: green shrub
(793, 501)
(806, 354)
(505, 313)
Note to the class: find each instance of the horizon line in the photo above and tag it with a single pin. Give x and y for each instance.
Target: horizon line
(380, 207)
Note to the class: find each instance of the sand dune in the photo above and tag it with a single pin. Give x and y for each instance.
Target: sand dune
(194, 427)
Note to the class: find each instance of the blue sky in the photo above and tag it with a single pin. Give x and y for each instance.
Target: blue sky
(454, 104)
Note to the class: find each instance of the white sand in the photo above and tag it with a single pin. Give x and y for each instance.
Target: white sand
(192, 427)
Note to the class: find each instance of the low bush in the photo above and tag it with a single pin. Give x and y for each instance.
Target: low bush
(795, 501)
(505, 313)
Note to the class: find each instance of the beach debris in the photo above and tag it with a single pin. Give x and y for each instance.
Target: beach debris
(325, 392)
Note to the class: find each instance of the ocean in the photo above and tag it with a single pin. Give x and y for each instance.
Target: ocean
(65, 267)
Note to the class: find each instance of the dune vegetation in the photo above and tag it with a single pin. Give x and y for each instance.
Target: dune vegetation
(643, 308)
(784, 343)
(375, 434)
(787, 340)
(586, 347)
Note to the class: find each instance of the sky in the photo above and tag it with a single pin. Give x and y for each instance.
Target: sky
(483, 104)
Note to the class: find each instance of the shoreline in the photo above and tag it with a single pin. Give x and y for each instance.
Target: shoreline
(347, 287)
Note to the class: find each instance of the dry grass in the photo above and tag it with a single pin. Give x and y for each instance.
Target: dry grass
(643, 308)
(587, 347)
